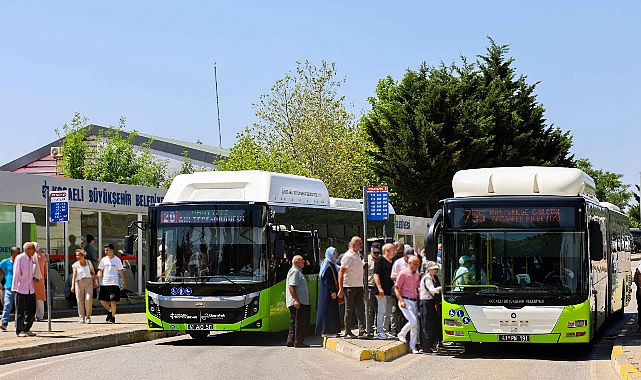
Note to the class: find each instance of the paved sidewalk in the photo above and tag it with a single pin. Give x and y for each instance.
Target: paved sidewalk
(67, 335)
(626, 352)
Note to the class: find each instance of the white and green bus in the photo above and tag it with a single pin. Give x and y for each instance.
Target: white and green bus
(529, 255)
(221, 244)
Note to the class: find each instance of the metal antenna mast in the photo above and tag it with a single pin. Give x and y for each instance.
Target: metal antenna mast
(220, 141)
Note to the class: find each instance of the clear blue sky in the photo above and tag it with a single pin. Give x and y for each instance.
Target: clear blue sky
(152, 62)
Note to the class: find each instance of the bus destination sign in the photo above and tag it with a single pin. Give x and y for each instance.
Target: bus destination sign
(202, 216)
(524, 217)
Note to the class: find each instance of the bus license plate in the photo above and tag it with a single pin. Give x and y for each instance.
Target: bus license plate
(513, 338)
(200, 326)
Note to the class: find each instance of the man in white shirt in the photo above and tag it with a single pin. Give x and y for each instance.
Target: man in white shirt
(350, 285)
(108, 269)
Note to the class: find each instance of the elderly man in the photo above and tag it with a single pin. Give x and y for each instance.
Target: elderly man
(350, 285)
(384, 285)
(297, 301)
(24, 292)
(406, 290)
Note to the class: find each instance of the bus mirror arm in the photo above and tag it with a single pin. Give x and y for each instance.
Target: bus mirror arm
(131, 238)
(431, 237)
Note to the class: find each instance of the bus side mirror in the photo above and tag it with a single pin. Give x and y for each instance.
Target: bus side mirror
(431, 237)
(129, 244)
(596, 241)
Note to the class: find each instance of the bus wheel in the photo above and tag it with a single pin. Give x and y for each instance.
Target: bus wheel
(199, 335)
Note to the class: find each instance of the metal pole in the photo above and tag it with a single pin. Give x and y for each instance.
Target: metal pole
(220, 141)
(365, 254)
(47, 223)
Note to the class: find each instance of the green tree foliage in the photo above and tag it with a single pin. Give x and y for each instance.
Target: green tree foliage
(113, 158)
(303, 128)
(439, 120)
(74, 148)
(609, 187)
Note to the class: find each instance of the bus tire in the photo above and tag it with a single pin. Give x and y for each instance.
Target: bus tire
(198, 335)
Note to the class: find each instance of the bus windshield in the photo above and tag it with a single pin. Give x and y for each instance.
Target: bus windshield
(515, 261)
(212, 243)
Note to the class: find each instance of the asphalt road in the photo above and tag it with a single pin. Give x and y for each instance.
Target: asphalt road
(264, 356)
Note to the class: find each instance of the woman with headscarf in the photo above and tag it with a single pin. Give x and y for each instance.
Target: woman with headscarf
(327, 319)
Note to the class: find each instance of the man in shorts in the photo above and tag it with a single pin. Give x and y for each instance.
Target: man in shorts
(109, 294)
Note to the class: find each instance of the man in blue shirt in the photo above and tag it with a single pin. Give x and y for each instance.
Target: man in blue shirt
(6, 267)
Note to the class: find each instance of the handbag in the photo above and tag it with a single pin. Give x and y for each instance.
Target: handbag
(341, 300)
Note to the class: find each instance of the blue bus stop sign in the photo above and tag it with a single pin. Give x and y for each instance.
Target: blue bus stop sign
(59, 206)
(377, 202)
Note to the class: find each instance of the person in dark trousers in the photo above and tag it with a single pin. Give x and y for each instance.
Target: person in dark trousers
(637, 282)
(297, 301)
(24, 292)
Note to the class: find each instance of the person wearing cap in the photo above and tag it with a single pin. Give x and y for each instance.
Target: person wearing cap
(109, 267)
(372, 291)
(406, 291)
(429, 294)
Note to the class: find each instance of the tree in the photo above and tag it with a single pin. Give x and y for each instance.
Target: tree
(74, 148)
(439, 120)
(112, 159)
(303, 128)
(609, 187)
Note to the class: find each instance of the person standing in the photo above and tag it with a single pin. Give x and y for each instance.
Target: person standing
(108, 269)
(637, 282)
(384, 286)
(406, 290)
(429, 293)
(297, 301)
(372, 291)
(40, 273)
(24, 292)
(328, 319)
(83, 280)
(91, 253)
(6, 267)
(350, 286)
(403, 253)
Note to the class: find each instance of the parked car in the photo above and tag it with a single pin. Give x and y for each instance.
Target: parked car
(636, 239)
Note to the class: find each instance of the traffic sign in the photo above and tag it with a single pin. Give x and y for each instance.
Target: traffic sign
(59, 206)
(377, 203)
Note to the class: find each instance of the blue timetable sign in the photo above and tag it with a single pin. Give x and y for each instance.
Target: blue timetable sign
(377, 202)
(59, 206)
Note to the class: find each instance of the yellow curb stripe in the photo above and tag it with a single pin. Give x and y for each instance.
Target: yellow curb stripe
(616, 350)
(628, 370)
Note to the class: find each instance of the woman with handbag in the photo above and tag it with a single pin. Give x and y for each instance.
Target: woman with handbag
(430, 298)
(83, 281)
(328, 322)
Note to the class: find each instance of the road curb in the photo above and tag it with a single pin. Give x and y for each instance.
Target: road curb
(619, 359)
(81, 344)
(387, 352)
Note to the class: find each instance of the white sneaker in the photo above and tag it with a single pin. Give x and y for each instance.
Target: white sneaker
(401, 337)
(415, 351)
(381, 336)
(87, 320)
(82, 320)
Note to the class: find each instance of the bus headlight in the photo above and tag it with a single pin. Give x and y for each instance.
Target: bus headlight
(577, 323)
(452, 322)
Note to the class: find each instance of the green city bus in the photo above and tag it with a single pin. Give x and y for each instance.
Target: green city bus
(529, 255)
(221, 244)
